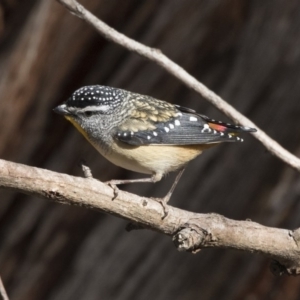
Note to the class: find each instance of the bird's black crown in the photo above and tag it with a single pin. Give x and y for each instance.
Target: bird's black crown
(96, 95)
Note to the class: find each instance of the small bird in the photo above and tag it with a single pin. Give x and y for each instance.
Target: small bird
(143, 134)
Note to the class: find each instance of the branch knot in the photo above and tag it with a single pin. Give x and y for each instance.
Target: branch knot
(191, 237)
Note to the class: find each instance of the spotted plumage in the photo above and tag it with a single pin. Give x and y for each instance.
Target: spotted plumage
(174, 125)
(143, 134)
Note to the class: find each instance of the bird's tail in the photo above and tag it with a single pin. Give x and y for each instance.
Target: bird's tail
(227, 127)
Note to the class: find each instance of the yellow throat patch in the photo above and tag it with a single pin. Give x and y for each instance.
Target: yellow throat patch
(77, 126)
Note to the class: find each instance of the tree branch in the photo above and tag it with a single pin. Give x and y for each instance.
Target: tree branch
(190, 231)
(156, 56)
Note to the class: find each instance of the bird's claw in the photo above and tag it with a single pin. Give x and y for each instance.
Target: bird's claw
(115, 189)
(163, 203)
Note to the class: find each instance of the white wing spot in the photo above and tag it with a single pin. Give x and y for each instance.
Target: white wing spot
(171, 126)
(167, 129)
(193, 119)
(148, 137)
(154, 133)
(206, 128)
(177, 123)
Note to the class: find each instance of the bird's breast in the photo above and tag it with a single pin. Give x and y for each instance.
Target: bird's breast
(151, 159)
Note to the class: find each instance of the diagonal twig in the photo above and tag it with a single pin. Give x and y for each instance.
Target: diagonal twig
(3, 291)
(158, 57)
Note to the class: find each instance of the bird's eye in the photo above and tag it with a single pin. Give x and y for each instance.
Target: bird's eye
(88, 113)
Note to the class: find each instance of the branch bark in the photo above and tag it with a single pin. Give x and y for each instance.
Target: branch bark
(158, 57)
(189, 231)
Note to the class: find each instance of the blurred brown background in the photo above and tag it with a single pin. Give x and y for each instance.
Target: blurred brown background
(246, 51)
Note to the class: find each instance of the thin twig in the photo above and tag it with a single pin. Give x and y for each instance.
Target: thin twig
(158, 57)
(87, 172)
(3, 291)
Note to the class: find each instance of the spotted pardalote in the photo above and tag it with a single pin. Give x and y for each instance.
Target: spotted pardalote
(143, 134)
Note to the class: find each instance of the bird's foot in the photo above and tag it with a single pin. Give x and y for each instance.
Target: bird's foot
(115, 189)
(163, 203)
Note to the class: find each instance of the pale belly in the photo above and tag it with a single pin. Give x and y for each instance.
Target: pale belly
(152, 159)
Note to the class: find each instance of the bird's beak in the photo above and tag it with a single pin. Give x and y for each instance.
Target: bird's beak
(61, 110)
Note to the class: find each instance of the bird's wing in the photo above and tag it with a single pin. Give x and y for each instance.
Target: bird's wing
(174, 125)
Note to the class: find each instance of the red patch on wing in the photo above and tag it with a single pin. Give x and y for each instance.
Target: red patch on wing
(217, 127)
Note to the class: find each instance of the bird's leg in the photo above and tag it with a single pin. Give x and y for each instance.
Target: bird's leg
(113, 183)
(163, 201)
(156, 177)
(169, 194)
(117, 182)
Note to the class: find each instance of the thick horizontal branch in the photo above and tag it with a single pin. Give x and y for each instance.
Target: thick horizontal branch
(190, 231)
(156, 56)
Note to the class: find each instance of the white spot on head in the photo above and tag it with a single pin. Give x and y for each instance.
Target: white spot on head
(177, 123)
(167, 129)
(193, 119)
